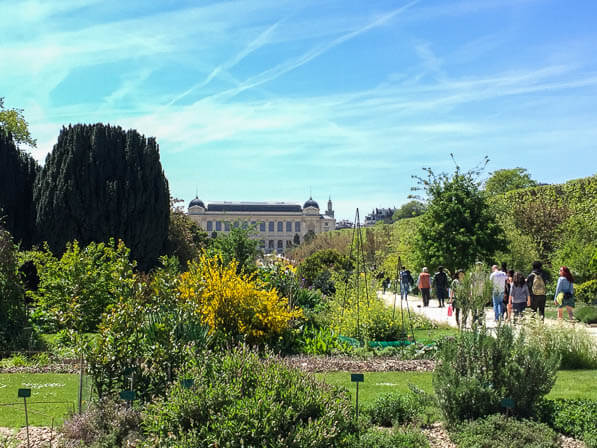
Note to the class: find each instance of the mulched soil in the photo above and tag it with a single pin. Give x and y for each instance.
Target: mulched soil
(346, 364)
(51, 368)
(39, 437)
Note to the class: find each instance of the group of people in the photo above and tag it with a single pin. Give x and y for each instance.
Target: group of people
(511, 291)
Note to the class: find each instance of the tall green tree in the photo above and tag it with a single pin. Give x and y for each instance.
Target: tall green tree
(502, 181)
(185, 238)
(409, 210)
(458, 227)
(13, 121)
(17, 176)
(102, 182)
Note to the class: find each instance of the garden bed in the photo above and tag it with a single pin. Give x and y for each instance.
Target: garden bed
(348, 364)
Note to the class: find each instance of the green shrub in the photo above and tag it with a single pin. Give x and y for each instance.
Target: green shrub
(145, 337)
(393, 408)
(75, 290)
(322, 341)
(104, 424)
(398, 438)
(573, 344)
(588, 314)
(586, 292)
(13, 316)
(497, 431)
(576, 418)
(476, 371)
(239, 400)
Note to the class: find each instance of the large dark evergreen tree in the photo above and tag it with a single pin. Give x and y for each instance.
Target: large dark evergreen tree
(100, 182)
(17, 175)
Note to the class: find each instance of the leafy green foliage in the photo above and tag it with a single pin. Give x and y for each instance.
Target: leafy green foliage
(75, 290)
(497, 431)
(357, 312)
(574, 418)
(185, 238)
(101, 182)
(475, 372)
(586, 292)
(146, 337)
(588, 314)
(502, 181)
(391, 409)
(458, 227)
(17, 176)
(105, 423)
(316, 268)
(322, 341)
(239, 246)
(12, 297)
(574, 345)
(240, 400)
(576, 245)
(12, 121)
(398, 438)
(409, 210)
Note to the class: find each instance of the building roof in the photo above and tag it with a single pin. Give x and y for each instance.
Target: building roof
(254, 207)
(196, 202)
(311, 203)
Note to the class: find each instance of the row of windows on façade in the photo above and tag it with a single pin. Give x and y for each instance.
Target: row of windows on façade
(272, 226)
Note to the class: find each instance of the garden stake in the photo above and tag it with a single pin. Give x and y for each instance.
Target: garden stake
(80, 382)
(357, 378)
(24, 393)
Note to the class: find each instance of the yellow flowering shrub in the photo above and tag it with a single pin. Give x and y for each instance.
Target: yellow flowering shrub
(234, 305)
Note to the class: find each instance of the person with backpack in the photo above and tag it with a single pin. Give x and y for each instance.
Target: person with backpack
(564, 296)
(536, 282)
(424, 285)
(406, 282)
(440, 284)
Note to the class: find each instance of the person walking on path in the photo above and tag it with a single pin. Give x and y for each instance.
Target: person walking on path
(440, 283)
(508, 286)
(520, 297)
(456, 291)
(536, 282)
(424, 285)
(498, 280)
(564, 296)
(406, 282)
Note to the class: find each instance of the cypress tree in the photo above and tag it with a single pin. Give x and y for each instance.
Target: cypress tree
(17, 176)
(99, 182)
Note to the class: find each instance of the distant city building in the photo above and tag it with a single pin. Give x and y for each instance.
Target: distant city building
(278, 225)
(379, 215)
(343, 224)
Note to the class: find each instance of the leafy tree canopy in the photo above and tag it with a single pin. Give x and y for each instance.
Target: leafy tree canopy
(502, 181)
(409, 210)
(185, 238)
(12, 121)
(458, 227)
(237, 245)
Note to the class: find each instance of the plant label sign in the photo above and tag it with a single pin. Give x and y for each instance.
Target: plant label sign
(24, 393)
(507, 403)
(127, 395)
(187, 383)
(357, 377)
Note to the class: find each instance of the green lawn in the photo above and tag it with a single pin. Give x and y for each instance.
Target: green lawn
(61, 389)
(569, 383)
(52, 396)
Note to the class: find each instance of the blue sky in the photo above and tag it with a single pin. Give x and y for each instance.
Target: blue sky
(268, 100)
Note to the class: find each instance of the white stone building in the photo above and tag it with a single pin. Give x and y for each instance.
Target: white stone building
(277, 225)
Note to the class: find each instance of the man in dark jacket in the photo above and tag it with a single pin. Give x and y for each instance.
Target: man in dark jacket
(536, 282)
(440, 283)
